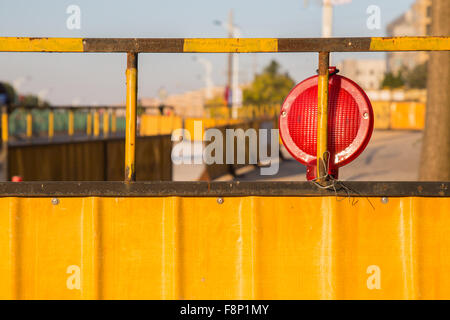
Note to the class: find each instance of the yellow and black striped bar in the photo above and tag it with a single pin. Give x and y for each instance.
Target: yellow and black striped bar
(222, 45)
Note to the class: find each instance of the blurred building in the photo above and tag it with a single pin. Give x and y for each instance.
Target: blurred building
(187, 104)
(414, 22)
(366, 73)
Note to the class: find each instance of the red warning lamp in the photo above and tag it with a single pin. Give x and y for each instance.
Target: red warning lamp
(350, 122)
(16, 179)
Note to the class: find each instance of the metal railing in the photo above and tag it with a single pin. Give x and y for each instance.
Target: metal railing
(221, 45)
(91, 125)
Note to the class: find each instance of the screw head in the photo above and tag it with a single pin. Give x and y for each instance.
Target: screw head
(384, 200)
(283, 114)
(219, 200)
(366, 115)
(55, 201)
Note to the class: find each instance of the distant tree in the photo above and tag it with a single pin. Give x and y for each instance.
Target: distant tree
(269, 87)
(393, 81)
(10, 92)
(31, 100)
(417, 77)
(217, 101)
(216, 107)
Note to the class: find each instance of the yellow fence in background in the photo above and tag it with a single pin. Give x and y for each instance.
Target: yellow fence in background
(388, 114)
(248, 247)
(157, 124)
(399, 115)
(205, 123)
(245, 112)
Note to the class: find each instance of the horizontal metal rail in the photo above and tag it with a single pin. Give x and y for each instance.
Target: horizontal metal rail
(222, 45)
(222, 189)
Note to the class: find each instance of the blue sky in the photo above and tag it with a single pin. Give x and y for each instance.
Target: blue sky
(99, 78)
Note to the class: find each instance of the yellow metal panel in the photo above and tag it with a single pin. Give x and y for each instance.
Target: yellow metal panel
(407, 115)
(244, 248)
(41, 44)
(157, 124)
(231, 45)
(410, 44)
(149, 125)
(197, 133)
(382, 113)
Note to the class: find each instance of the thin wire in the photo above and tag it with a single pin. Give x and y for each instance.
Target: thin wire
(332, 183)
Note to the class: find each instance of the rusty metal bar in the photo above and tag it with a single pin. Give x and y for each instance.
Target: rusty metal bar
(223, 45)
(222, 189)
(131, 118)
(322, 117)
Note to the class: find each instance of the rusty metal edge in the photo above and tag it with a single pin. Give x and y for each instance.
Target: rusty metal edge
(324, 44)
(221, 189)
(154, 45)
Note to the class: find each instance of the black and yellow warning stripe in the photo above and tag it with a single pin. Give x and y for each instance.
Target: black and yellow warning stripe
(223, 45)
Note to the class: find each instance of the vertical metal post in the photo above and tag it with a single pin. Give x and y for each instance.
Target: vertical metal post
(5, 132)
(29, 123)
(96, 123)
(5, 137)
(131, 119)
(113, 121)
(106, 122)
(89, 123)
(70, 126)
(51, 124)
(322, 116)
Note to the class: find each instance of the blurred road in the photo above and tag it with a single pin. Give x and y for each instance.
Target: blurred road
(390, 156)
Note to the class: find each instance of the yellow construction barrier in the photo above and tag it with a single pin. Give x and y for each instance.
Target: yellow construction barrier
(399, 115)
(205, 123)
(382, 113)
(247, 247)
(157, 124)
(408, 115)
